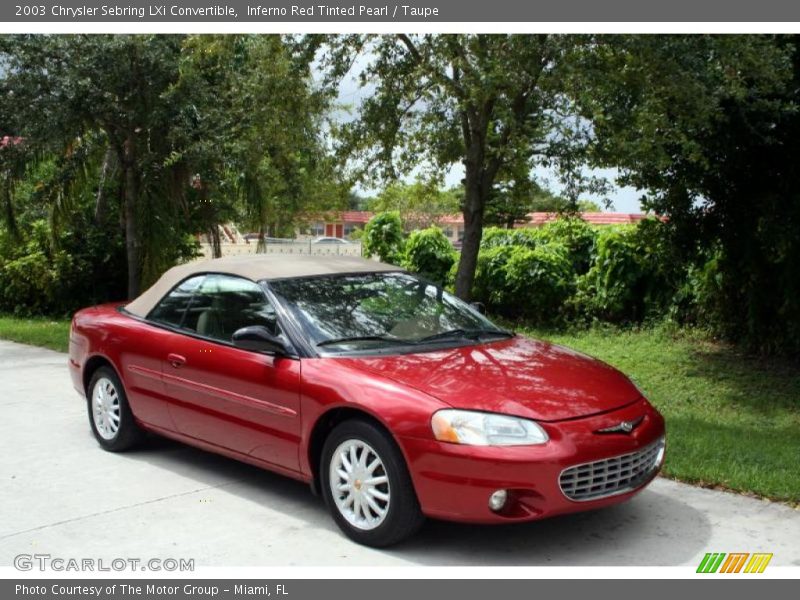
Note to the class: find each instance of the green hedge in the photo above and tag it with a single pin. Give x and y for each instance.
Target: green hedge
(521, 281)
(429, 253)
(55, 275)
(383, 236)
(568, 270)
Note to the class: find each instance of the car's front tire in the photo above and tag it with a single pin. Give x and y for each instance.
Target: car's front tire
(110, 415)
(366, 485)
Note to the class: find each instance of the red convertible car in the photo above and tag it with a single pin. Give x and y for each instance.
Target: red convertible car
(394, 399)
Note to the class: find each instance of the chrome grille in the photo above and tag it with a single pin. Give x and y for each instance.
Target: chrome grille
(611, 476)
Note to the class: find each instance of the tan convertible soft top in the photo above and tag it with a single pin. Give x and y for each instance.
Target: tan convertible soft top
(255, 267)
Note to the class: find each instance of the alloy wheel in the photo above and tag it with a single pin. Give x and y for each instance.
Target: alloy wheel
(106, 408)
(359, 484)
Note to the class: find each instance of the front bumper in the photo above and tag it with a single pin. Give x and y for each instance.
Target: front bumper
(454, 482)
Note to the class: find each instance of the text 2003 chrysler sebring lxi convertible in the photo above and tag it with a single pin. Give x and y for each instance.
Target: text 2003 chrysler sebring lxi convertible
(390, 396)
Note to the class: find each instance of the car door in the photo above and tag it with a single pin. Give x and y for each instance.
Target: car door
(142, 354)
(236, 399)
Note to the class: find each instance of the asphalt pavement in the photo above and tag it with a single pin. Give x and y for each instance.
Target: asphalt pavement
(61, 494)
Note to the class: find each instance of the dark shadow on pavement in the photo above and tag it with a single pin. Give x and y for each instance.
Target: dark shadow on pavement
(652, 529)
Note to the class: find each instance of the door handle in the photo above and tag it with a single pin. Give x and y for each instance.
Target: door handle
(176, 360)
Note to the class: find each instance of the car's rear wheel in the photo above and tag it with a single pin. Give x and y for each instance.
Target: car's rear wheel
(366, 485)
(110, 415)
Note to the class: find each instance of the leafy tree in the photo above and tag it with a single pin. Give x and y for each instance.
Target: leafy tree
(485, 101)
(383, 235)
(185, 133)
(12, 169)
(512, 200)
(708, 126)
(570, 151)
(589, 206)
(65, 88)
(55, 268)
(356, 201)
(253, 133)
(420, 204)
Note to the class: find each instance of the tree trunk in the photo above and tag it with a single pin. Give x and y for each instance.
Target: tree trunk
(474, 204)
(132, 242)
(216, 242)
(262, 245)
(8, 207)
(212, 217)
(101, 199)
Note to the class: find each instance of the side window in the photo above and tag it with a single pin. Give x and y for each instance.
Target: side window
(223, 304)
(173, 308)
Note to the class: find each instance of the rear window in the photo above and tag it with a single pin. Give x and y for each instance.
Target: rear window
(173, 307)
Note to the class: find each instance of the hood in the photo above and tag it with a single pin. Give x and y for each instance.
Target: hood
(518, 376)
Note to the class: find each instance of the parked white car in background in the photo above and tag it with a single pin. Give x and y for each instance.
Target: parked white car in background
(330, 240)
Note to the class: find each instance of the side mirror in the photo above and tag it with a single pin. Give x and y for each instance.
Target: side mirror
(479, 307)
(258, 338)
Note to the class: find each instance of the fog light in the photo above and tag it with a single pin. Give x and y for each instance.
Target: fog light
(498, 500)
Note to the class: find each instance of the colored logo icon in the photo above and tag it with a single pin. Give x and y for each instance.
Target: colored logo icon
(734, 562)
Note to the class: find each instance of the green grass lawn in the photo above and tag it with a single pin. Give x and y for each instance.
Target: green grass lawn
(732, 420)
(37, 331)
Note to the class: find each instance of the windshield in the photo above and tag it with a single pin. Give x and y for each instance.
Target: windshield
(364, 311)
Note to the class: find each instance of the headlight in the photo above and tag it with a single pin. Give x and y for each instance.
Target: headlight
(485, 429)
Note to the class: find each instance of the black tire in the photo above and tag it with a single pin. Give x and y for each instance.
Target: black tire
(128, 434)
(404, 516)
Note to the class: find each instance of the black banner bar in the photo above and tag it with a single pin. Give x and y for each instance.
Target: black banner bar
(365, 11)
(316, 589)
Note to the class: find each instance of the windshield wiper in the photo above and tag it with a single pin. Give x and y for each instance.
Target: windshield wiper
(360, 338)
(470, 334)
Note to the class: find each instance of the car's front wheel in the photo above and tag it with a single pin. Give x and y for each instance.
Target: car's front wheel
(109, 413)
(366, 485)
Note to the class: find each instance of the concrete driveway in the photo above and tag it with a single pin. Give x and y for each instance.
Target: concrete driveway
(62, 495)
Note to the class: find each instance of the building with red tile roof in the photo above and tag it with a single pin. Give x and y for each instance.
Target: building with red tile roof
(342, 224)
(537, 219)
